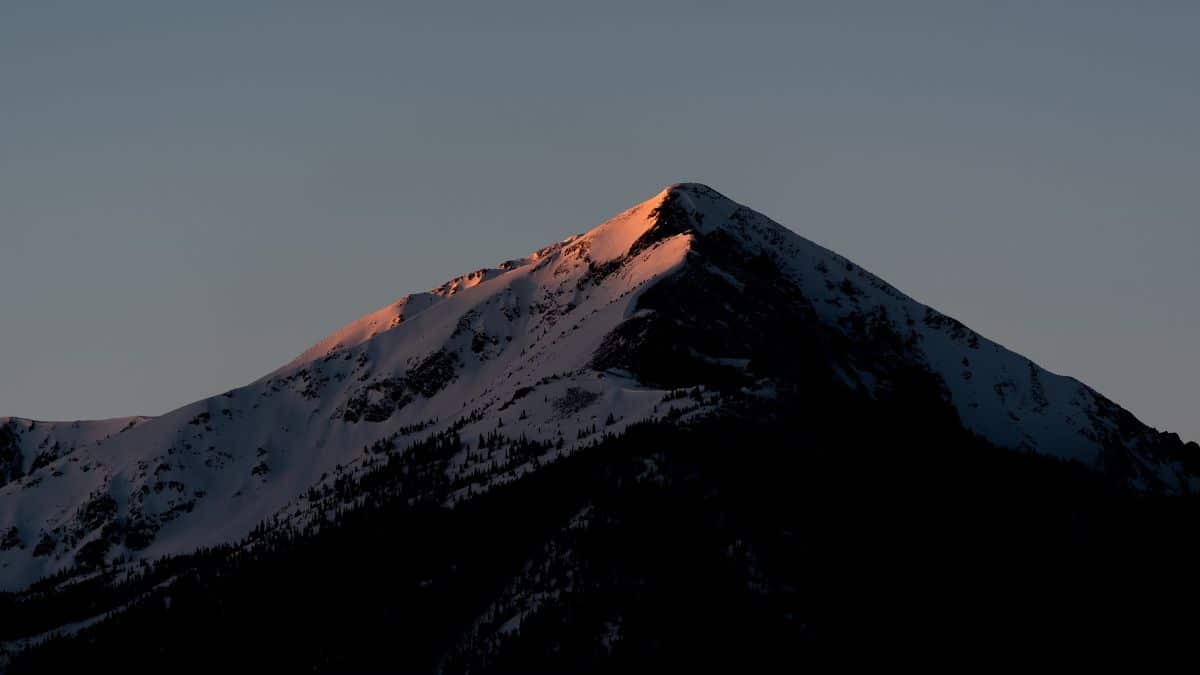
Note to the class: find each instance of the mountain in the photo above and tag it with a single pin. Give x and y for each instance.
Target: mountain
(29, 445)
(688, 341)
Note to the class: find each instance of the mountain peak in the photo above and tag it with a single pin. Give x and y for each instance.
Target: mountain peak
(692, 189)
(695, 197)
(676, 209)
(687, 290)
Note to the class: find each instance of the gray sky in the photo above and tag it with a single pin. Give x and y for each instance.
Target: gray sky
(192, 193)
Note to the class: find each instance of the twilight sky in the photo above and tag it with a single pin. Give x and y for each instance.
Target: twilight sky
(193, 193)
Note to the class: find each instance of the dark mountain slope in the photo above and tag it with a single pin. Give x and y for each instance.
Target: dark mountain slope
(756, 540)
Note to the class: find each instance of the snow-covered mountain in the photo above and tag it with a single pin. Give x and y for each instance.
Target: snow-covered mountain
(28, 445)
(684, 292)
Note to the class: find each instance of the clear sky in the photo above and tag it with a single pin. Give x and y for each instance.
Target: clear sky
(192, 193)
